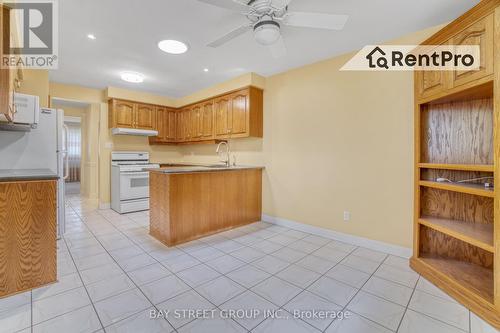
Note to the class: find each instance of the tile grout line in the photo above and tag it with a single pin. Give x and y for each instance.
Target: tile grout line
(80, 276)
(125, 273)
(407, 305)
(250, 245)
(345, 307)
(174, 274)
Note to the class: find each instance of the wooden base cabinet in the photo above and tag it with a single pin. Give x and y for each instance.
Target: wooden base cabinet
(456, 223)
(28, 227)
(188, 206)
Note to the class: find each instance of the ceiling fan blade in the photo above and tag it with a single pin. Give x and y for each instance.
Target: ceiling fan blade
(316, 20)
(236, 5)
(231, 35)
(278, 49)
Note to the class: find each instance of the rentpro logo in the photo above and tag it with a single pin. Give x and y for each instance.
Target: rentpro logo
(415, 57)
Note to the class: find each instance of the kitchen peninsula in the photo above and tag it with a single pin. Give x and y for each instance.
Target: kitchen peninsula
(190, 202)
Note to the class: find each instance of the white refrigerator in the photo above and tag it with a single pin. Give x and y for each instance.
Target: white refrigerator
(44, 147)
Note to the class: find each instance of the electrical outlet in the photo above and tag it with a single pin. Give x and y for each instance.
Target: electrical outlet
(347, 216)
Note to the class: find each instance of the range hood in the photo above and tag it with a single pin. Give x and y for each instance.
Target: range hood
(133, 131)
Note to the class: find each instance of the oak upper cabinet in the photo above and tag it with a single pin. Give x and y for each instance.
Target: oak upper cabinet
(145, 117)
(184, 125)
(195, 122)
(430, 83)
(165, 125)
(170, 125)
(480, 33)
(126, 114)
(161, 126)
(206, 123)
(239, 114)
(222, 110)
(121, 114)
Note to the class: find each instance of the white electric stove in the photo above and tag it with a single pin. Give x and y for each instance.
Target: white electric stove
(130, 181)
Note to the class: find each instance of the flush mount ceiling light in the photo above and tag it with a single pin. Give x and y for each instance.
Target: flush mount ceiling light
(205, 70)
(132, 77)
(91, 36)
(172, 46)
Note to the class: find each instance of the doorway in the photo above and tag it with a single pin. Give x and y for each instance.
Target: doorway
(74, 147)
(82, 123)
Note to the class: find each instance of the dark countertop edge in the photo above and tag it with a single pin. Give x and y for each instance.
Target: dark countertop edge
(173, 172)
(27, 178)
(12, 175)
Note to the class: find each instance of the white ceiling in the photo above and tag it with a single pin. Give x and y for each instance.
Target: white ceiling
(128, 31)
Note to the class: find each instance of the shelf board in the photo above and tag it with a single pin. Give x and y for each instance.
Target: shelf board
(474, 189)
(477, 234)
(472, 277)
(461, 167)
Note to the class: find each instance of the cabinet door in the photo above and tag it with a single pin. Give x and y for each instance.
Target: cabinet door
(480, 33)
(184, 125)
(145, 117)
(222, 110)
(161, 124)
(207, 121)
(170, 125)
(429, 83)
(179, 130)
(239, 113)
(196, 116)
(122, 114)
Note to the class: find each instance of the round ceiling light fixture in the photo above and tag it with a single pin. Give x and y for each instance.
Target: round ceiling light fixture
(267, 32)
(91, 36)
(173, 46)
(132, 77)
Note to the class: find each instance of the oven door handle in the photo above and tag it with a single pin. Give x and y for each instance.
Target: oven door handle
(135, 173)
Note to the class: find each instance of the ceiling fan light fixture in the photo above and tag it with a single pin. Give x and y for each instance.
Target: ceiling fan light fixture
(267, 32)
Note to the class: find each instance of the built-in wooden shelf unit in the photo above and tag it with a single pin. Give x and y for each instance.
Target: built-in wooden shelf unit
(457, 137)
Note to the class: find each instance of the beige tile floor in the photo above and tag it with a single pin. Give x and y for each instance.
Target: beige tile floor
(112, 274)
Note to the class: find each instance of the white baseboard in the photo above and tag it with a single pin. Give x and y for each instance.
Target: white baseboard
(104, 205)
(396, 250)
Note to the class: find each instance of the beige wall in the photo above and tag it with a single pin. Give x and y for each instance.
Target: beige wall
(36, 82)
(336, 141)
(333, 141)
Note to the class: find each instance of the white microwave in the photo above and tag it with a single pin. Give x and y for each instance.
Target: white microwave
(27, 110)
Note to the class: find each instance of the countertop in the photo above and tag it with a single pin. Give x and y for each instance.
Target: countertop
(202, 168)
(26, 174)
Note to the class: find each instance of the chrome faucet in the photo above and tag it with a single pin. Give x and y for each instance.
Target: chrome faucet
(227, 161)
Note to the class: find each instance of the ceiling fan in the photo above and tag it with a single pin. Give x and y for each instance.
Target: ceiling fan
(266, 18)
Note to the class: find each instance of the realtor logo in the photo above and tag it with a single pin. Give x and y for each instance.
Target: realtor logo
(34, 31)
